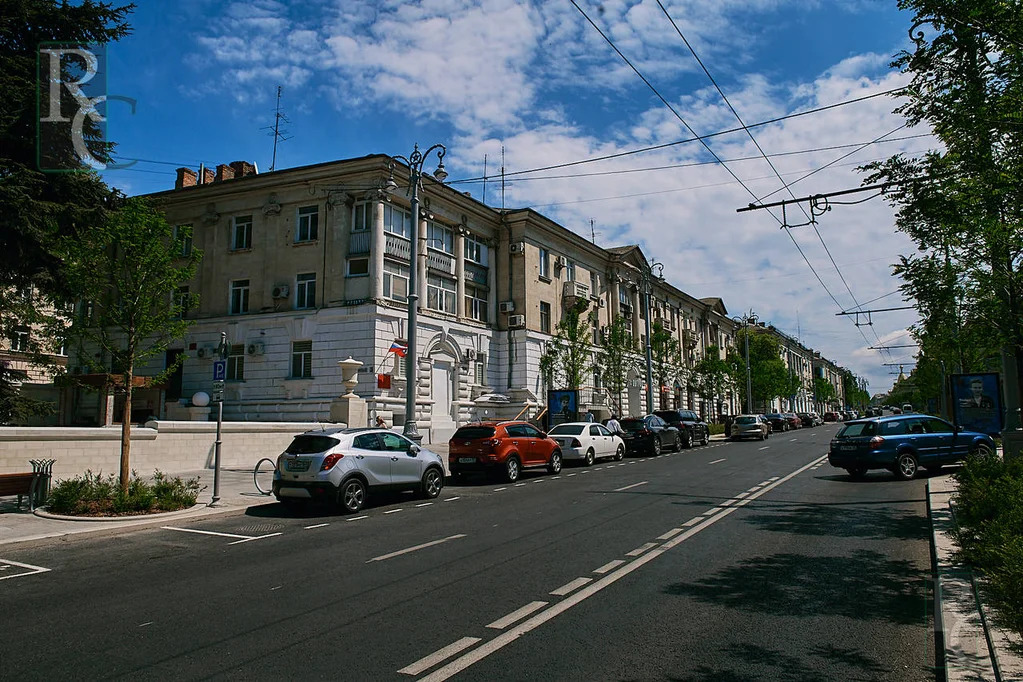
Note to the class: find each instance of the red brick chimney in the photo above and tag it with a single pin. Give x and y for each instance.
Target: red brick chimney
(243, 168)
(186, 178)
(207, 176)
(224, 172)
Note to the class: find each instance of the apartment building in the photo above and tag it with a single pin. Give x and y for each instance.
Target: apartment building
(305, 267)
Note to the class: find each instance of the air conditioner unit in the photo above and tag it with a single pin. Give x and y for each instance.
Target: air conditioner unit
(255, 348)
(470, 353)
(577, 290)
(516, 320)
(507, 306)
(280, 291)
(560, 262)
(517, 247)
(206, 352)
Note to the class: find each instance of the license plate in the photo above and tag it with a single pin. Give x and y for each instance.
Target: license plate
(466, 460)
(847, 448)
(297, 465)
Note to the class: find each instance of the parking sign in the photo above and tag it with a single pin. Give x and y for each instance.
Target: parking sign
(219, 370)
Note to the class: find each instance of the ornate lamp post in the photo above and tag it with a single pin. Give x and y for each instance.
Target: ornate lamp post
(745, 321)
(415, 165)
(647, 288)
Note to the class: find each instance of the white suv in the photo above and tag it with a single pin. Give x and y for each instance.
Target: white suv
(343, 465)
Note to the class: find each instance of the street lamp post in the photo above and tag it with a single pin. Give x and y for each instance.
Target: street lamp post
(647, 286)
(415, 165)
(745, 320)
(222, 351)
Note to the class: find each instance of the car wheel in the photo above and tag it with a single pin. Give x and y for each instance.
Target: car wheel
(433, 481)
(857, 472)
(905, 467)
(677, 445)
(512, 469)
(620, 454)
(554, 466)
(589, 457)
(982, 450)
(706, 437)
(655, 449)
(687, 441)
(352, 495)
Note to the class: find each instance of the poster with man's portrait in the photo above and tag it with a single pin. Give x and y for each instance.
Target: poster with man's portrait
(562, 407)
(977, 400)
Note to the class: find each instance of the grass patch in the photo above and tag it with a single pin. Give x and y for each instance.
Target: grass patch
(989, 513)
(716, 429)
(97, 495)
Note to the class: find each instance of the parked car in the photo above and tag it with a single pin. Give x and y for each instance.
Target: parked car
(346, 465)
(501, 448)
(902, 444)
(691, 428)
(817, 419)
(907, 409)
(831, 417)
(749, 426)
(777, 421)
(794, 421)
(650, 434)
(807, 419)
(587, 442)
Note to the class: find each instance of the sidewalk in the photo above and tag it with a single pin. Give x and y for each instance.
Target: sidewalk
(971, 646)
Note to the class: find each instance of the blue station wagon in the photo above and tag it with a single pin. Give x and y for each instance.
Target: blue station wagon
(902, 444)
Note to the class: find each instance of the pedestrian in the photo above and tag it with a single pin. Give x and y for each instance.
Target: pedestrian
(380, 423)
(614, 426)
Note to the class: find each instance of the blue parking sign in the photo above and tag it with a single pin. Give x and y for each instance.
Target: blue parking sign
(219, 370)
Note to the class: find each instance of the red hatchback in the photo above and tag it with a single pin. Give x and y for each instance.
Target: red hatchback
(504, 448)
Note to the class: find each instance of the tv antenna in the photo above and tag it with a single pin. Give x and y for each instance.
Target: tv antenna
(275, 131)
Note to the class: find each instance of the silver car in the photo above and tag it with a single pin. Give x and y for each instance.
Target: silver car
(749, 426)
(344, 465)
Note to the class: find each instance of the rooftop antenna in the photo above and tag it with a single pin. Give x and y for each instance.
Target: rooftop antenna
(799, 332)
(593, 235)
(484, 178)
(502, 177)
(275, 131)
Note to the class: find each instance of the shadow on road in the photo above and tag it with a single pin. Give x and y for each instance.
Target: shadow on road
(843, 520)
(760, 663)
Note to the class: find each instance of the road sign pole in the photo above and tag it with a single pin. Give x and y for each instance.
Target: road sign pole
(219, 373)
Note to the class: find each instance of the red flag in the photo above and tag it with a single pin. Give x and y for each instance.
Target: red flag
(398, 349)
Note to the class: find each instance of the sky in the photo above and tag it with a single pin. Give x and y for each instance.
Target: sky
(554, 82)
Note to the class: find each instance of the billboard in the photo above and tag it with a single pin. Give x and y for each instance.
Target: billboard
(562, 406)
(977, 401)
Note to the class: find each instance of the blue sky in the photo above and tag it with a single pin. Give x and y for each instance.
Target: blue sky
(537, 79)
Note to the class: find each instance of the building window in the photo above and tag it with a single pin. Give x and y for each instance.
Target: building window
(183, 237)
(239, 296)
(181, 300)
(623, 296)
(361, 216)
(476, 251)
(358, 267)
(19, 340)
(476, 303)
(440, 294)
(308, 224)
(395, 281)
(545, 263)
(545, 317)
(594, 284)
(301, 359)
(397, 221)
(241, 234)
(305, 291)
(481, 373)
(440, 237)
(236, 362)
(570, 271)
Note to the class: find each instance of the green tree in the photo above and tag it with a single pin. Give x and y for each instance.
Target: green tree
(824, 391)
(963, 205)
(666, 360)
(567, 358)
(856, 394)
(615, 357)
(711, 376)
(768, 375)
(130, 269)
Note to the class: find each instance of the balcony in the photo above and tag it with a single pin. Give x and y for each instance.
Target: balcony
(440, 261)
(476, 274)
(358, 243)
(576, 290)
(397, 246)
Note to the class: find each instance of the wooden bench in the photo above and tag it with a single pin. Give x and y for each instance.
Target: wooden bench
(20, 485)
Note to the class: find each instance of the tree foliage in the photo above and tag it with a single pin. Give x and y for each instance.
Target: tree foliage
(769, 378)
(711, 376)
(666, 361)
(615, 357)
(824, 391)
(567, 358)
(129, 272)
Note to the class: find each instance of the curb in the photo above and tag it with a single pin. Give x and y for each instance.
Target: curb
(41, 513)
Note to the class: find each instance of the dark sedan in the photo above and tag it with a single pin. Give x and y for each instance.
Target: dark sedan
(794, 421)
(650, 434)
(777, 421)
(902, 444)
(691, 428)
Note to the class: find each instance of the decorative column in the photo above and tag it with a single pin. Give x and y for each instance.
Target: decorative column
(349, 408)
(636, 334)
(421, 265)
(616, 305)
(460, 272)
(377, 246)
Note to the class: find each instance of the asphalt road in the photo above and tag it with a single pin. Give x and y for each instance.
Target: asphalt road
(737, 561)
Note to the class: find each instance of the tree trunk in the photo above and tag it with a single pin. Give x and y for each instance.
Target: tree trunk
(126, 433)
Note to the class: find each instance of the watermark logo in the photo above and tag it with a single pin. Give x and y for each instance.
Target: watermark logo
(72, 102)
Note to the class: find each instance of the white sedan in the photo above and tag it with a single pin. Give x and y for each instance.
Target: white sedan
(587, 441)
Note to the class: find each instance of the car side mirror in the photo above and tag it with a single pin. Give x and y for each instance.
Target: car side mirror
(414, 449)
(960, 428)
(543, 434)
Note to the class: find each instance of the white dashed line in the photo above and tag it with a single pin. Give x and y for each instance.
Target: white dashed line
(741, 495)
(439, 655)
(517, 615)
(571, 587)
(392, 511)
(642, 548)
(497, 490)
(570, 475)
(519, 485)
(356, 518)
(318, 525)
(618, 490)
(609, 566)
(764, 448)
(416, 548)
(142, 625)
(424, 504)
(717, 461)
(452, 499)
(692, 522)
(671, 533)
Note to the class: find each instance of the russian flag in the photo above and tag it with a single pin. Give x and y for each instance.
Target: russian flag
(398, 349)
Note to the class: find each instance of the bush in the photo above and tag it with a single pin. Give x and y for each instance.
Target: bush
(989, 513)
(716, 429)
(97, 495)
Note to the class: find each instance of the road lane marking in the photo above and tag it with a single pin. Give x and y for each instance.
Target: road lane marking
(147, 624)
(642, 548)
(424, 504)
(712, 510)
(571, 586)
(671, 533)
(691, 522)
(439, 655)
(509, 636)
(772, 479)
(741, 495)
(764, 448)
(207, 532)
(356, 518)
(618, 490)
(570, 474)
(517, 615)
(318, 525)
(392, 511)
(793, 440)
(452, 499)
(497, 490)
(762, 483)
(384, 557)
(519, 485)
(716, 461)
(32, 570)
(259, 537)
(609, 566)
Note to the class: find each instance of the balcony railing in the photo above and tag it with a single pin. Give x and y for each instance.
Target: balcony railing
(476, 274)
(358, 243)
(440, 261)
(397, 246)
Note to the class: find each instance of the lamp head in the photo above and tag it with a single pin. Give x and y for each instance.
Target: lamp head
(440, 173)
